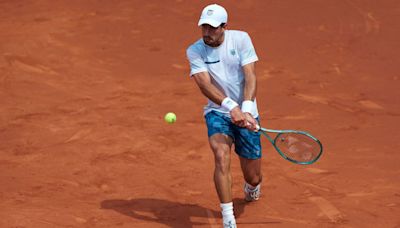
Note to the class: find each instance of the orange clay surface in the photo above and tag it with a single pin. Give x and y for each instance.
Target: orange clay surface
(84, 86)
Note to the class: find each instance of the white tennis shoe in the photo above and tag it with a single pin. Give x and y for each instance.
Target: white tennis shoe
(251, 194)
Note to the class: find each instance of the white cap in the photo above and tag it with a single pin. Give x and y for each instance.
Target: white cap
(213, 15)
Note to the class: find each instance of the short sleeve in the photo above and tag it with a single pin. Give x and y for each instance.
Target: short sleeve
(247, 52)
(197, 64)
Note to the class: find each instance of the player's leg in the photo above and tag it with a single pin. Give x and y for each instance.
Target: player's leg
(221, 147)
(251, 169)
(221, 140)
(248, 147)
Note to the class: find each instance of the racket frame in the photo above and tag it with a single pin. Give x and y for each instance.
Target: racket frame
(279, 132)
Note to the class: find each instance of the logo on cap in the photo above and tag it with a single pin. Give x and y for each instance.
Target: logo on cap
(210, 12)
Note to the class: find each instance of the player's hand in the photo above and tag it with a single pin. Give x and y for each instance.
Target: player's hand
(251, 123)
(238, 117)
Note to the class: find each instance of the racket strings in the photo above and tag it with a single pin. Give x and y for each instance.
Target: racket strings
(298, 147)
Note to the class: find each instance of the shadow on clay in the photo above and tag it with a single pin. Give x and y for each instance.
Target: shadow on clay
(172, 214)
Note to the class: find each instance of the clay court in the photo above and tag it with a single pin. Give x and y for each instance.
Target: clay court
(84, 86)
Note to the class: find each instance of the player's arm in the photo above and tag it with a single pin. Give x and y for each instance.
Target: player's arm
(209, 90)
(249, 93)
(250, 85)
(203, 81)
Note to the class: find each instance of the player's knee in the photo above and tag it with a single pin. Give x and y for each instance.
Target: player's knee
(222, 166)
(221, 163)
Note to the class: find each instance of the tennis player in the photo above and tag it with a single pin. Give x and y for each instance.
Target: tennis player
(222, 63)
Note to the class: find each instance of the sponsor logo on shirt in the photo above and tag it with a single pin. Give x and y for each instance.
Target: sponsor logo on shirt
(233, 51)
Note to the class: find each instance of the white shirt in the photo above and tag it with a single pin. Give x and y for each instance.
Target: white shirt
(224, 64)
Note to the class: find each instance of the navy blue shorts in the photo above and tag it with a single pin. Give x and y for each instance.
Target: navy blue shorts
(247, 143)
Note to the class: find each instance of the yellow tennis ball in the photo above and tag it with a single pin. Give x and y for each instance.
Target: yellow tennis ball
(170, 117)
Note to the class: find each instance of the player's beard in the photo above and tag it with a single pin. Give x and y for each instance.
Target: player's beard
(213, 42)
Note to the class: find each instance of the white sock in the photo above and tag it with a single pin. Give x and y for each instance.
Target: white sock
(227, 212)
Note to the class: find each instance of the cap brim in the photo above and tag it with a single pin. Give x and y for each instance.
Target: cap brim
(209, 21)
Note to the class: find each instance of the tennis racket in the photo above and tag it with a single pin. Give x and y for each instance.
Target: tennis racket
(298, 147)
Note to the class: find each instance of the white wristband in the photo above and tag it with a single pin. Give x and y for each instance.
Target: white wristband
(248, 106)
(228, 103)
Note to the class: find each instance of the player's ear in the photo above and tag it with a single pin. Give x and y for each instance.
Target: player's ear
(223, 25)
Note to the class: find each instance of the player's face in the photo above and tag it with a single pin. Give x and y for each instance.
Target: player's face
(212, 36)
